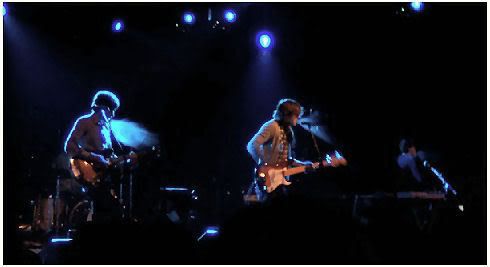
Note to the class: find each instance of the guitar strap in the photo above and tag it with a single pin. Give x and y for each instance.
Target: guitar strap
(113, 138)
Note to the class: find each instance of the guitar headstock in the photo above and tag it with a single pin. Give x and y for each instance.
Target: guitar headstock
(334, 160)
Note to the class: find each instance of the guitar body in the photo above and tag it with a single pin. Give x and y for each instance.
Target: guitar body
(93, 173)
(86, 172)
(271, 177)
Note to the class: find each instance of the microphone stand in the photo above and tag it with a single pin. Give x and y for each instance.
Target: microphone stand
(314, 141)
(445, 185)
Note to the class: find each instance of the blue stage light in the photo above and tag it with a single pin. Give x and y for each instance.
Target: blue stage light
(265, 40)
(230, 16)
(417, 6)
(60, 240)
(212, 231)
(4, 10)
(174, 189)
(117, 26)
(189, 18)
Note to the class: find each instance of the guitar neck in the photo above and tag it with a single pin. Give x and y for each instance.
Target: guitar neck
(331, 161)
(118, 160)
(130, 157)
(295, 170)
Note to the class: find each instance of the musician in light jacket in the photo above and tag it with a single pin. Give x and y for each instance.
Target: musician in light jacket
(273, 143)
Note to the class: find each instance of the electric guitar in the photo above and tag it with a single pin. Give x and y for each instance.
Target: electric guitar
(92, 172)
(270, 177)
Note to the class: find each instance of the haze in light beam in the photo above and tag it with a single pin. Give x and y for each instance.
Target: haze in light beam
(133, 134)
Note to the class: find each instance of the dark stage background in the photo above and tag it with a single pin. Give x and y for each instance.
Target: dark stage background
(377, 74)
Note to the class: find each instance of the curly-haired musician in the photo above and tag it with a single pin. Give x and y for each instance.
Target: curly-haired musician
(89, 144)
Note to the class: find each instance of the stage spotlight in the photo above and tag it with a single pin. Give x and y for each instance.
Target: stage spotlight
(117, 25)
(417, 6)
(265, 40)
(189, 18)
(230, 16)
(4, 10)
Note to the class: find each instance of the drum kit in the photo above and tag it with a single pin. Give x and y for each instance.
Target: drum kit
(65, 210)
(69, 204)
(63, 213)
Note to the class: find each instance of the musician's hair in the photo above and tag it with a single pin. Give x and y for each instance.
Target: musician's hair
(405, 144)
(106, 99)
(287, 107)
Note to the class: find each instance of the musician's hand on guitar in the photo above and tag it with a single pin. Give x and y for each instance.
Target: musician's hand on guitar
(133, 157)
(311, 166)
(334, 162)
(99, 159)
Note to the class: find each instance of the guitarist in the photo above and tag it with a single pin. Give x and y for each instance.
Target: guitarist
(91, 139)
(273, 143)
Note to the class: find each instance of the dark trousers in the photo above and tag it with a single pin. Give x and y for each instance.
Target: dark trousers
(107, 208)
(263, 196)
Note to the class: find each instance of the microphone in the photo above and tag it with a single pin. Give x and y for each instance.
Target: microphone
(307, 122)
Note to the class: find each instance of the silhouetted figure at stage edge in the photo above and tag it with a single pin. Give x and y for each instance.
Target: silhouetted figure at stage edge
(411, 163)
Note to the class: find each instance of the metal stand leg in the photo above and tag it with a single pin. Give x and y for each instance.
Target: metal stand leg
(122, 197)
(130, 196)
(91, 212)
(126, 195)
(57, 207)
